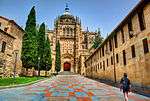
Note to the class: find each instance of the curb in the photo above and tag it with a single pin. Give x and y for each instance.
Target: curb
(21, 85)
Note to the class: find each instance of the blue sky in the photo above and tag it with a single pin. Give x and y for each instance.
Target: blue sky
(103, 14)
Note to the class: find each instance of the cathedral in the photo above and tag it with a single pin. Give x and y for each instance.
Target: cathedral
(75, 44)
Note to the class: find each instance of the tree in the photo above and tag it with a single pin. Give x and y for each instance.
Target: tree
(48, 57)
(29, 43)
(57, 62)
(41, 47)
(98, 40)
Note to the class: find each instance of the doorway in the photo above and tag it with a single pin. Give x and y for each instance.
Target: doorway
(67, 66)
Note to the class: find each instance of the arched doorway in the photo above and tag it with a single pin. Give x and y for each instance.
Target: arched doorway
(67, 66)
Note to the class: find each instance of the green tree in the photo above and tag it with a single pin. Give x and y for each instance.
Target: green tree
(98, 39)
(57, 62)
(41, 48)
(48, 57)
(29, 43)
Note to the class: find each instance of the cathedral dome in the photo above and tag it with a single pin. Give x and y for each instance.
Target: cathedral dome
(67, 14)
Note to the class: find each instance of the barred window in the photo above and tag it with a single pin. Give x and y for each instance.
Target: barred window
(124, 57)
(133, 51)
(104, 65)
(145, 46)
(130, 28)
(141, 20)
(3, 47)
(117, 58)
(116, 43)
(122, 34)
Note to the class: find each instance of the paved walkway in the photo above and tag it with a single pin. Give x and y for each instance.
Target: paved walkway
(67, 88)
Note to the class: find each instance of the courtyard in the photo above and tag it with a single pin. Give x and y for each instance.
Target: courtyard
(71, 87)
(63, 51)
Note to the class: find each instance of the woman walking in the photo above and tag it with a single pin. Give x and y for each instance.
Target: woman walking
(125, 86)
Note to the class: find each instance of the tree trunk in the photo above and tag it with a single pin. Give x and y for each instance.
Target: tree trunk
(33, 73)
(26, 71)
(38, 72)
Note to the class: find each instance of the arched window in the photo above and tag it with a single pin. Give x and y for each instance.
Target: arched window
(71, 31)
(68, 31)
(64, 31)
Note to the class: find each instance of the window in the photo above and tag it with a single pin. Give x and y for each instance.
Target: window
(5, 29)
(141, 20)
(64, 30)
(107, 62)
(117, 58)
(104, 65)
(124, 57)
(100, 65)
(106, 46)
(122, 34)
(71, 31)
(145, 46)
(68, 31)
(111, 60)
(83, 47)
(130, 28)
(3, 47)
(103, 50)
(110, 45)
(100, 53)
(133, 51)
(115, 38)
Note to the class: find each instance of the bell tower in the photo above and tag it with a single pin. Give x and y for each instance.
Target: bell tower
(67, 28)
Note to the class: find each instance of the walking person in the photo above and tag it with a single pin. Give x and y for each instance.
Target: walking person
(125, 86)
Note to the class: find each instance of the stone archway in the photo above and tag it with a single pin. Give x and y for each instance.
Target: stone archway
(67, 66)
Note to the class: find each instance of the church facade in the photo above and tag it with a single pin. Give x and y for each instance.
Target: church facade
(75, 44)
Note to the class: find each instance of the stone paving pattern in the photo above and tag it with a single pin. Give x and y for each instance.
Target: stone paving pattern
(67, 88)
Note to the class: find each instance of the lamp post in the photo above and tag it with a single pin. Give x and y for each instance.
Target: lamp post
(38, 66)
(46, 67)
(114, 61)
(15, 63)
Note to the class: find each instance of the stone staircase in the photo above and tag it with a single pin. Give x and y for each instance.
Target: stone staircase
(66, 73)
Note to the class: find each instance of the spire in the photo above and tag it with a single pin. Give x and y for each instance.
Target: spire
(66, 9)
(87, 29)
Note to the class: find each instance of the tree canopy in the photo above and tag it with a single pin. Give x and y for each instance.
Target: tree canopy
(98, 40)
(29, 43)
(58, 61)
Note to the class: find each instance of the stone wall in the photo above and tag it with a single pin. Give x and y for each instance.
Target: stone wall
(107, 66)
(6, 57)
(14, 30)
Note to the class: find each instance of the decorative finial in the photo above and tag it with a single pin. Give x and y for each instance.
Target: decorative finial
(87, 29)
(67, 9)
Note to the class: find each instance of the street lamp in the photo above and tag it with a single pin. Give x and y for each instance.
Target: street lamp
(38, 66)
(15, 63)
(46, 67)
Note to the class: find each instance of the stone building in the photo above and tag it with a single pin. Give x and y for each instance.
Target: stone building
(74, 43)
(10, 46)
(126, 49)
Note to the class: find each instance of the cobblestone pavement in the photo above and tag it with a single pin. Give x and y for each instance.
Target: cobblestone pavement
(67, 88)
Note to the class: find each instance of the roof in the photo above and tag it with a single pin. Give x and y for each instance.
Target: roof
(7, 34)
(91, 33)
(139, 6)
(51, 31)
(66, 16)
(12, 21)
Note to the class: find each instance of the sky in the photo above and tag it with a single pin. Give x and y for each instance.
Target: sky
(94, 14)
